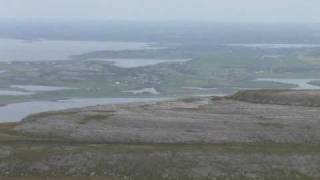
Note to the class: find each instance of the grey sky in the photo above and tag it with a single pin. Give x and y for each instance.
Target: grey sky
(212, 10)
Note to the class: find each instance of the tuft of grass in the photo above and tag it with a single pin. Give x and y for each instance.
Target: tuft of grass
(190, 99)
(95, 117)
(272, 125)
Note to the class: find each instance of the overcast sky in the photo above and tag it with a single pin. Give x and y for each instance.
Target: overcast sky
(206, 10)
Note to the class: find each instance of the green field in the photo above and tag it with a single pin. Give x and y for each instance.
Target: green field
(228, 70)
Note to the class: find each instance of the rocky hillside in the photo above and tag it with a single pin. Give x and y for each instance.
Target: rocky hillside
(191, 138)
(197, 120)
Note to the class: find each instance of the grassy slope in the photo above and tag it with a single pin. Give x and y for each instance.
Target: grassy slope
(33, 158)
(157, 161)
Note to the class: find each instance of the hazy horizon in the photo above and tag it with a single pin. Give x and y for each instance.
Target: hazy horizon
(229, 11)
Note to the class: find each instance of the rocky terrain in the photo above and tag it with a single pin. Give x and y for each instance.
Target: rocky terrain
(275, 137)
(194, 120)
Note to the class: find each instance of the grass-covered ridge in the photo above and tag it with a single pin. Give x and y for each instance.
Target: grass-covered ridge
(281, 97)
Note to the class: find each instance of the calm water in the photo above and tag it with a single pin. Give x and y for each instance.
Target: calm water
(40, 88)
(16, 112)
(14, 93)
(199, 88)
(302, 84)
(22, 90)
(131, 63)
(19, 50)
(276, 46)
